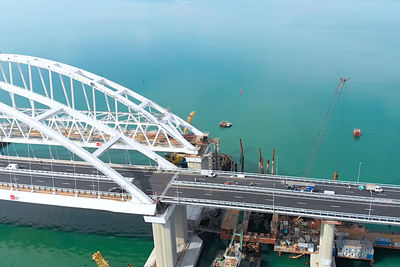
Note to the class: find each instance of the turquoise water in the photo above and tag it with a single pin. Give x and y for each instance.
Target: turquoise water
(287, 57)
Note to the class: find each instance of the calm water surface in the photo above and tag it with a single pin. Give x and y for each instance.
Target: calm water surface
(286, 56)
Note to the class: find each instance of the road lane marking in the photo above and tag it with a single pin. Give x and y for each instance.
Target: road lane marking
(350, 192)
(335, 206)
(238, 196)
(301, 203)
(39, 181)
(66, 183)
(208, 194)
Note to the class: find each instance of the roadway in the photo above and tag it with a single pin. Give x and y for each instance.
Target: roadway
(168, 187)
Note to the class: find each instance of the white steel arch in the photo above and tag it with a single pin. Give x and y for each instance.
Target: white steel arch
(137, 194)
(142, 113)
(53, 113)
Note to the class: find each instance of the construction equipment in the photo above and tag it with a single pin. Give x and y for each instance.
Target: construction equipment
(324, 126)
(189, 120)
(241, 155)
(99, 259)
(176, 159)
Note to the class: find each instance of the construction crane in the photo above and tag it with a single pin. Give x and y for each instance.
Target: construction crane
(189, 120)
(324, 126)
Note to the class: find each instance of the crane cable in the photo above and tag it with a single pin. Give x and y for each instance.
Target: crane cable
(324, 126)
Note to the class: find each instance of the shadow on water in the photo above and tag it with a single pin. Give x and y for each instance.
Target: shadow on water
(73, 219)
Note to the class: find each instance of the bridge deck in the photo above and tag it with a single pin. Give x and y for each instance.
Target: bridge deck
(227, 190)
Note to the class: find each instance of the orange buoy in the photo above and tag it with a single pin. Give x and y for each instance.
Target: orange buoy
(357, 132)
(335, 175)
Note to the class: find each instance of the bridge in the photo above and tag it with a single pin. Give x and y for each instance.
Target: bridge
(48, 103)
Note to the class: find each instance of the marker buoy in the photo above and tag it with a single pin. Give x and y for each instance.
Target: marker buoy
(357, 133)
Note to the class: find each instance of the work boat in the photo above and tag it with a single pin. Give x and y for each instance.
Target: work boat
(225, 124)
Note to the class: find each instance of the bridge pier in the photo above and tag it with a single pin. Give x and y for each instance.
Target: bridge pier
(169, 235)
(325, 256)
(181, 229)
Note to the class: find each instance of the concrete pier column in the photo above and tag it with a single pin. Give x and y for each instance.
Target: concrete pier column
(327, 236)
(180, 216)
(164, 236)
(165, 244)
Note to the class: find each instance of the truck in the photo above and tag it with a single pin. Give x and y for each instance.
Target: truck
(300, 186)
(208, 173)
(371, 187)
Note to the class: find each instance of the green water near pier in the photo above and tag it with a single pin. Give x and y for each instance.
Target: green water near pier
(286, 56)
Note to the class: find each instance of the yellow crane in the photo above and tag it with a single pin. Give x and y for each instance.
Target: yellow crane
(99, 259)
(189, 120)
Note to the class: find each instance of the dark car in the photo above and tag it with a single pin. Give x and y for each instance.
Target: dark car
(116, 190)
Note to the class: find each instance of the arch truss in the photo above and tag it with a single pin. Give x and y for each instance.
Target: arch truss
(148, 125)
(24, 120)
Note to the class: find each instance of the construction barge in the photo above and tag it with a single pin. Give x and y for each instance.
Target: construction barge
(296, 236)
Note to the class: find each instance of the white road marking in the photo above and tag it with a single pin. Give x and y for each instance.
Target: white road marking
(208, 194)
(66, 183)
(369, 209)
(238, 196)
(350, 192)
(335, 206)
(39, 181)
(301, 203)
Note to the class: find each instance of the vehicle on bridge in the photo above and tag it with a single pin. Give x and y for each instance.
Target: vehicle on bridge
(12, 166)
(208, 173)
(371, 187)
(300, 186)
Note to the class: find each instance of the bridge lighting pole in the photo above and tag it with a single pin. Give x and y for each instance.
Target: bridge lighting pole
(370, 207)
(273, 196)
(358, 176)
(277, 161)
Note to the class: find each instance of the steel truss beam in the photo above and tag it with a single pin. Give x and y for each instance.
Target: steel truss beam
(55, 108)
(143, 113)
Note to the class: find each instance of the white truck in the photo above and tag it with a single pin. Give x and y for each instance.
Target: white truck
(371, 187)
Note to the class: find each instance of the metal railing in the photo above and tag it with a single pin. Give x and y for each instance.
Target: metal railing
(331, 215)
(283, 177)
(61, 190)
(278, 191)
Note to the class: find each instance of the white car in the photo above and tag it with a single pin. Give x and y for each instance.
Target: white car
(12, 166)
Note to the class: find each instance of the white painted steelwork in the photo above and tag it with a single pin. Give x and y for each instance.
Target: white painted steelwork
(22, 119)
(129, 207)
(118, 107)
(56, 114)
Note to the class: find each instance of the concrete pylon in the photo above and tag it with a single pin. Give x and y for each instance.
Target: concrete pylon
(164, 237)
(327, 236)
(165, 244)
(169, 230)
(181, 231)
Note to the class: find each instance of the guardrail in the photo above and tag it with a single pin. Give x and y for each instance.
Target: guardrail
(330, 215)
(55, 173)
(66, 191)
(278, 191)
(281, 177)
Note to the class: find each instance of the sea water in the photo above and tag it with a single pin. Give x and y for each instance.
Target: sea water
(270, 67)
